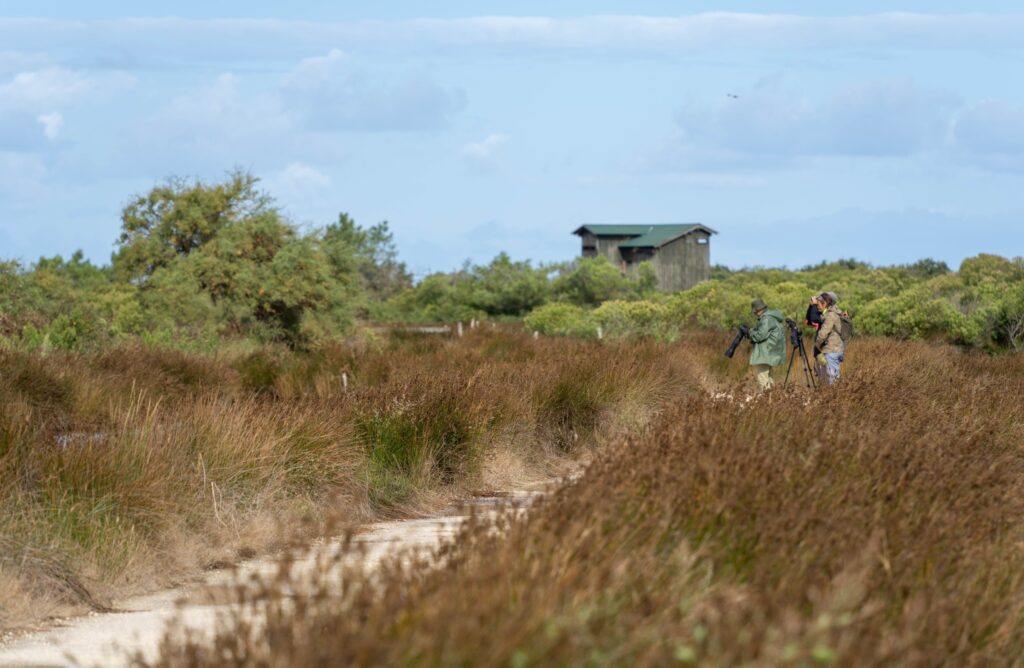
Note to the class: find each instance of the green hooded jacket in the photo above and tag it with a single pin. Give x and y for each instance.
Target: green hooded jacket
(769, 337)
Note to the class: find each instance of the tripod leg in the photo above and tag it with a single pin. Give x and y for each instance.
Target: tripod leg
(792, 358)
(811, 383)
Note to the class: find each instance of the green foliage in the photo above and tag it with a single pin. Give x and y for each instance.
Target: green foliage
(179, 217)
(501, 289)
(593, 281)
(505, 288)
(981, 306)
(437, 298)
(561, 319)
(265, 278)
(365, 258)
(199, 260)
(622, 319)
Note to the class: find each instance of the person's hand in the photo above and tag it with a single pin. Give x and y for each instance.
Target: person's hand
(745, 330)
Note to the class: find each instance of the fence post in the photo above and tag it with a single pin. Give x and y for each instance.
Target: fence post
(344, 381)
(459, 329)
(600, 333)
(536, 335)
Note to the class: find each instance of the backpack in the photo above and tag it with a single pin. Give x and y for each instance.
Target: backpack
(845, 327)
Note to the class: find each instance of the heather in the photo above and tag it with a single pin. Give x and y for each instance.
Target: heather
(873, 523)
(134, 467)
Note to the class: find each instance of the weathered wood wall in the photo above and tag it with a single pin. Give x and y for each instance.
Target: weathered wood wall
(683, 263)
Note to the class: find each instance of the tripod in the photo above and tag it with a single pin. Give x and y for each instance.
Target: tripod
(796, 337)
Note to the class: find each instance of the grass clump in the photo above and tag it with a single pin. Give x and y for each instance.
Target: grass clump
(412, 442)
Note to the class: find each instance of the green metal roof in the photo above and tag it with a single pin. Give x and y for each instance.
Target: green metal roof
(644, 236)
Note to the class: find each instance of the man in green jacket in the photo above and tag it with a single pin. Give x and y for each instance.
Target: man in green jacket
(769, 339)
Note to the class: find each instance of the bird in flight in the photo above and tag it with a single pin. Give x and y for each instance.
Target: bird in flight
(733, 96)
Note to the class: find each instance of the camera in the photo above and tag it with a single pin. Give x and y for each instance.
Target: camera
(796, 335)
(742, 333)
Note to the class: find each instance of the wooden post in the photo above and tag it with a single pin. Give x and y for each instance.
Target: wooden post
(344, 381)
(600, 333)
(459, 329)
(536, 335)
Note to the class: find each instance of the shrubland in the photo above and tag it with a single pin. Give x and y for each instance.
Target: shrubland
(199, 263)
(127, 468)
(980, 306)
(873, 523)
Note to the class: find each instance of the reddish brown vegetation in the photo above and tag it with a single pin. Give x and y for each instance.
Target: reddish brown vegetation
(875, 523)
(125, 470)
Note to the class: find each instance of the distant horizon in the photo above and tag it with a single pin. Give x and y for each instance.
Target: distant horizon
(799, 131)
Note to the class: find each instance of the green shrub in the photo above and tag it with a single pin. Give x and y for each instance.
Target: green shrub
(561, 319)
(593, 281)
(622, 319)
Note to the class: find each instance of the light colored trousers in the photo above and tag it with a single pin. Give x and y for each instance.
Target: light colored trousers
(832, 362)
(763, 373)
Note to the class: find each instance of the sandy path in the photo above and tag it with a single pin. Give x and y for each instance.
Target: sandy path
(103, 639)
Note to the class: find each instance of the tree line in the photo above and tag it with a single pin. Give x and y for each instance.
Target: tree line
(200, 262)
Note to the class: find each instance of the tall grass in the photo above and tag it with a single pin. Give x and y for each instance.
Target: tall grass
(874, 523)
(127, 469)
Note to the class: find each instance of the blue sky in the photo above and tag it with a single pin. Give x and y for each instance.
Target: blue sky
(882, 131)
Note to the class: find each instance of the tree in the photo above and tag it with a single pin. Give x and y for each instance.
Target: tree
(179, 217)
(368, 256)
(505, 288)
(266, 278)
(593, 281)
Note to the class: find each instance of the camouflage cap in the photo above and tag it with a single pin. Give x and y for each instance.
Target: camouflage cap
(757, 305)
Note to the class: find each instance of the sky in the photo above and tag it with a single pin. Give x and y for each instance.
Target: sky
(800, 131)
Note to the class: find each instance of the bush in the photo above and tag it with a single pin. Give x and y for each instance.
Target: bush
(622, 319)
(561, 319)
(981, 306)
(592, 281)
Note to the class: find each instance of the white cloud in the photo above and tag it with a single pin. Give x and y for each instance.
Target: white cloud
(298, 177)
(52, 124)
(330, 93)
(31, 98)
(51, 87)
(484, 151)
(221, 113)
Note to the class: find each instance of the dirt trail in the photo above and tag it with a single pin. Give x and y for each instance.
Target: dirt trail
(104, 639)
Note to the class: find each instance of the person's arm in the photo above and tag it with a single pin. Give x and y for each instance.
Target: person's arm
(829, 323)
(761, 332)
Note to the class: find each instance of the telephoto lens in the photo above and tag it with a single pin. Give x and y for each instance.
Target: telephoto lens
(736, 342)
